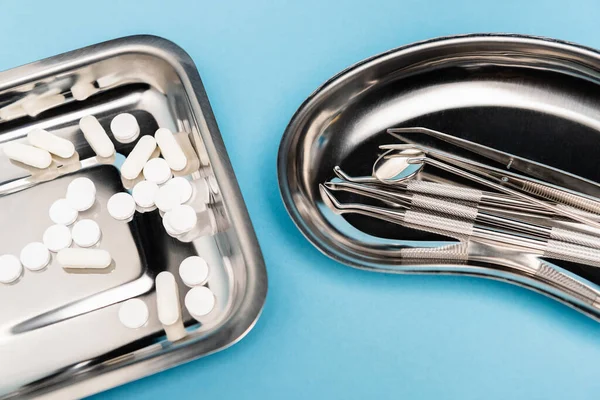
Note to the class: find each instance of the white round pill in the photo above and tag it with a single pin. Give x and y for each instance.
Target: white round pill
(134, 313)
(193, 271)
(125, 128)
(81, 194)
(121, 206)
(199, 301)
(167, 199)
(86, 233)
(144, 193)
(62, 213)
(168, 228)
(82, 184)
(181, 219)
(35, 256)
(181, 186)
(157, 170)
(57, 237)
(80, 200)
(10, 268)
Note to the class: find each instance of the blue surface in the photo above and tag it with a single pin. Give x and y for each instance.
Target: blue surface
(329, 331)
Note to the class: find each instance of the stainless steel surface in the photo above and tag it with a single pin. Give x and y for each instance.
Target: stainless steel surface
(535, 98)
(511, 161)
(60, 336)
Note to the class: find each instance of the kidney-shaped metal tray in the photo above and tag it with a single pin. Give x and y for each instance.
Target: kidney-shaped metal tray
(533, 97)
(60, 335)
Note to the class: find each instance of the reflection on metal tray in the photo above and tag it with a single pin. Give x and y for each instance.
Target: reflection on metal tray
(60, 334)
(532, 97)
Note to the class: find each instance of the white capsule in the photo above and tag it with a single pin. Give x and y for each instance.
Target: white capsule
(75, 258)
(170, 149)
(96, 136)
(139, 156)
(35, 256)
(29, 155)
(125, 128)
(169, 309)
(10, 268)
(199, 301)
(54, 144)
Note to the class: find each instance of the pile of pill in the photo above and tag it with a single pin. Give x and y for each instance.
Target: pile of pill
(38, 153)
(58, 238)
(200, 300)
(152, 163)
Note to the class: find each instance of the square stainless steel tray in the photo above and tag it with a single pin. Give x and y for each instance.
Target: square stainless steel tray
(60, 336)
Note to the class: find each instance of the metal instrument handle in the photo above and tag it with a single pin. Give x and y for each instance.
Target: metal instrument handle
(568, 284)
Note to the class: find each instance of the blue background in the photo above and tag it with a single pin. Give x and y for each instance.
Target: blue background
(329, 331)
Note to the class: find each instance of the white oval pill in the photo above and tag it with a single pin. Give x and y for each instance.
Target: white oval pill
(199, 301)
(62, 213)
(157, 170)
(96, 136)
(54, 144)
(134, 313)
(121, 206)
(139, 156)
(76, 258)
(82, 184)
(181, 186)
(167, 199)
(10, 268)
(86, 233)
(170, 149)
(29, 155)
(167, 298)
(57, 237)
(181, 219)
(125, 128)
(35, 256)
(144, 193)
(194, 271)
